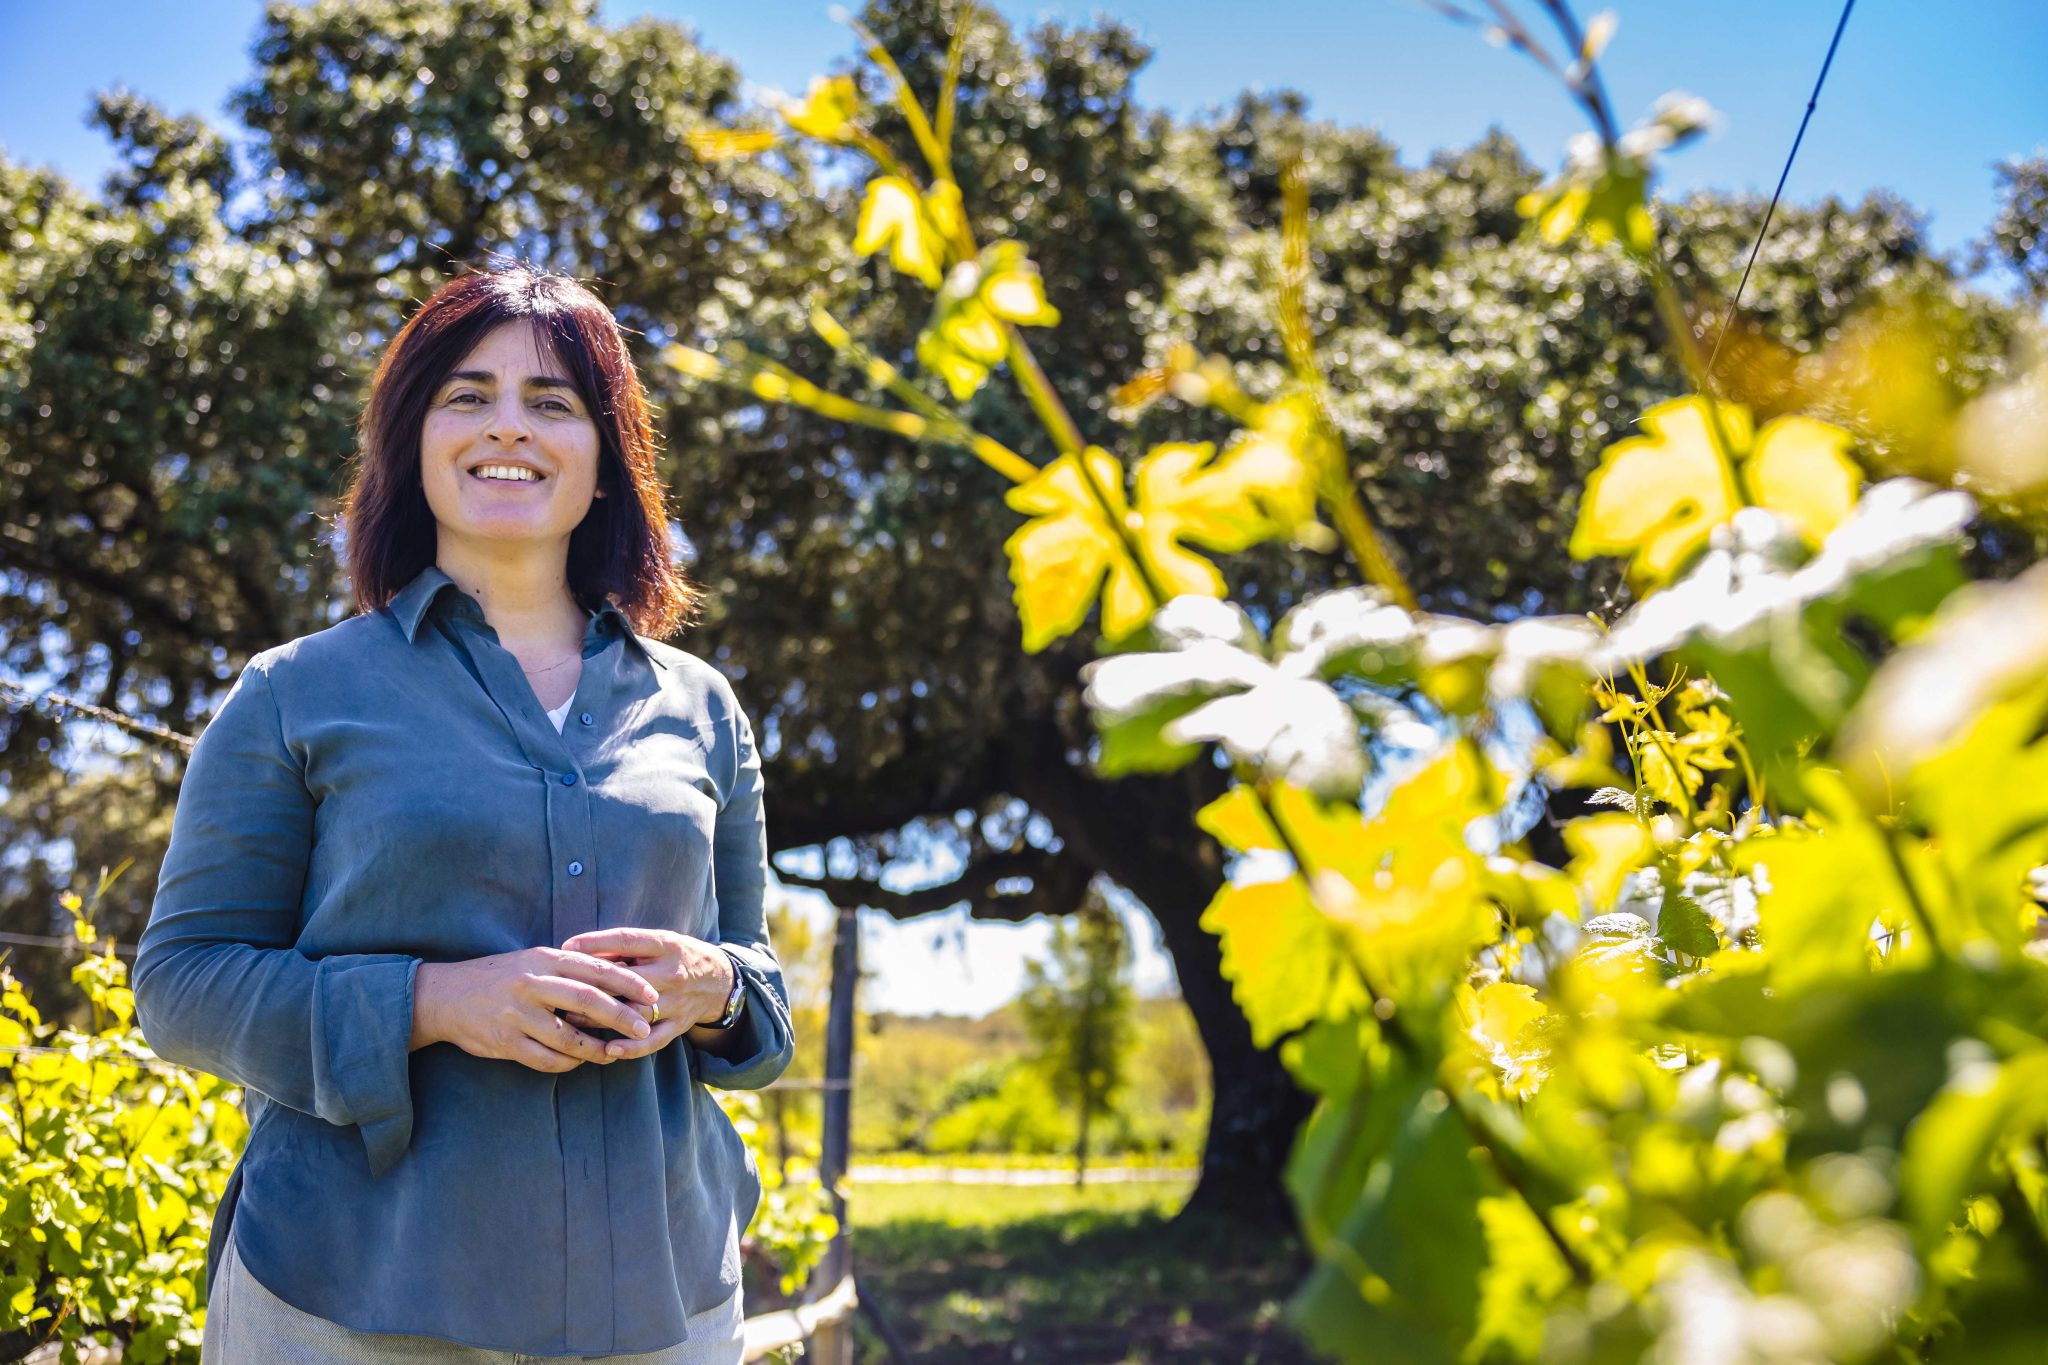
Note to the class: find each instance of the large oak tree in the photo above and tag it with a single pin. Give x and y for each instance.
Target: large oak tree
(182, 356)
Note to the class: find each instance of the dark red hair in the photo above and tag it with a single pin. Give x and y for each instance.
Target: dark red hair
(620, 550)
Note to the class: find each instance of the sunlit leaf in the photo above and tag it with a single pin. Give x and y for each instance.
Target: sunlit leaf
(1409, 884)
(1400, 1279)
(1283, 958)
(827, 109)
(1523, 1275)
(1801, 470)
(1500, 1036)
(946, 211)
(1012, 289)
(1656, 496)
(1826, 889)
(1604, 197)
(1297, 730)
(1183, 495)
(1605, 849)
(726, 144)
(1239, 821)
(892, 216)
(1275, 465)
(1529, 892)
(159, 1211)
(964, 375)
(1059, 557)
(1950, 1149)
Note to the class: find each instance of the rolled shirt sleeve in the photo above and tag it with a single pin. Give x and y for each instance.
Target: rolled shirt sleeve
(766, 1042)
(219, 984)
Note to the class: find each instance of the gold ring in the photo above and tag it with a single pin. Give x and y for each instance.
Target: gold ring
(654, 1013)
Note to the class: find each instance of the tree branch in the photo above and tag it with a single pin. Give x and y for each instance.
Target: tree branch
(1059, 884)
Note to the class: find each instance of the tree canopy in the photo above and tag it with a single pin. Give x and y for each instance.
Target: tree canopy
(182, 357)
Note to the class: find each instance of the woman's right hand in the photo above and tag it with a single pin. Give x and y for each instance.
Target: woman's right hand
(504, 1006)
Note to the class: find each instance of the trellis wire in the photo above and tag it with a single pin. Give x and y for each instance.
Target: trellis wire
(1812, 102)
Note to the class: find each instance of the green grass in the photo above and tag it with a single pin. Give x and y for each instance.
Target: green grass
(1026, 1161)
(986, 1206)
(988, 1273)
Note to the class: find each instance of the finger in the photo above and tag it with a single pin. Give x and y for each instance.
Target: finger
(594, 1005)
(624, 1049)
(609, 977)
(552, 1031)
(537, 1057)
(625, 942)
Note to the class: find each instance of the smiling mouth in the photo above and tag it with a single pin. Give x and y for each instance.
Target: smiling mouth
(507, 473)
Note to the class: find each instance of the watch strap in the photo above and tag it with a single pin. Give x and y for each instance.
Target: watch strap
(735, 1000)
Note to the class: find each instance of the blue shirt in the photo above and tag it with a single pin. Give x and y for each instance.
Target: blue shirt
(389, 792)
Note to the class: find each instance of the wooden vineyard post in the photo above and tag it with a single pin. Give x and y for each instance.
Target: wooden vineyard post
(833, 1343)
(824, 1320)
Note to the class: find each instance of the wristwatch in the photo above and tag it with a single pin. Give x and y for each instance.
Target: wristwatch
(735, 1000)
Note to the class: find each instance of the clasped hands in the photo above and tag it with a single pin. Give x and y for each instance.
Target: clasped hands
(534, 1006)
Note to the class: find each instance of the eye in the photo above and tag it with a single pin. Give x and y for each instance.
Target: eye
(458, 397)
(557, 405)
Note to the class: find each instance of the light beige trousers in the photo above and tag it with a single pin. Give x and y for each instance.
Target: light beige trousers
(246, 1324)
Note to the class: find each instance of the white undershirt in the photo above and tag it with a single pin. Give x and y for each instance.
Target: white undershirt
(560, 715)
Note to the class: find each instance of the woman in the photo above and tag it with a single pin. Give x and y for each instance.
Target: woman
(467, 891)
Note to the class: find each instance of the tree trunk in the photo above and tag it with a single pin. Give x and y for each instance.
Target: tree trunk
(1255, 1105)
(1081, 1145)
(1141, 832)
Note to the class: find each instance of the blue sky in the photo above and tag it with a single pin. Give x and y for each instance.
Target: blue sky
(1923, 99)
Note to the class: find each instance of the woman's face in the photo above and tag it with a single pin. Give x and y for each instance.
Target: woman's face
(509, 451)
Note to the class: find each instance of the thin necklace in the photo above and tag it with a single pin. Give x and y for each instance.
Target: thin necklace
(536, 672)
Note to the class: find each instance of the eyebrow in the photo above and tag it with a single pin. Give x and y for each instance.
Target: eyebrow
(541, 381)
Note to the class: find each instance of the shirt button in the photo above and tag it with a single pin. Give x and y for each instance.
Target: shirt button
(575, 869)
(568, 779)
(587, 718)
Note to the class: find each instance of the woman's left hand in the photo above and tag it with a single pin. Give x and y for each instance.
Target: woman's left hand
(691, 979)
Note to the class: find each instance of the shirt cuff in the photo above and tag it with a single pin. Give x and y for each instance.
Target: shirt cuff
(362, 1049)
(763, 1042)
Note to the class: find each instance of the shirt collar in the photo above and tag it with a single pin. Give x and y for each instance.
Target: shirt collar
(412, 602)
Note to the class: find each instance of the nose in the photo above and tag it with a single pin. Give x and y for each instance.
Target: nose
(508, 424)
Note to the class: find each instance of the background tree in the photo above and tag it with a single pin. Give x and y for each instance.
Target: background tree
(2018, 238)
(1077, 1005)
(860, 601)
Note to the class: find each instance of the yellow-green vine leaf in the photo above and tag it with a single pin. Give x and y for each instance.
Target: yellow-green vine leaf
(1826, 886)
(1655, 497)
(1058, 558)
(961, 347)
(1523, 1276)
(827, 109)
(892, 216)
(946, 211)
(1276, 465)
(1605, 849)
(727, 144)
(1500, 1047)
(1183, 494)
(1283, 958)
(1950, 1148)
(1238, 821)
(1407, 883)
(1801, 470)
(1013, 290)
(1608, 201)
